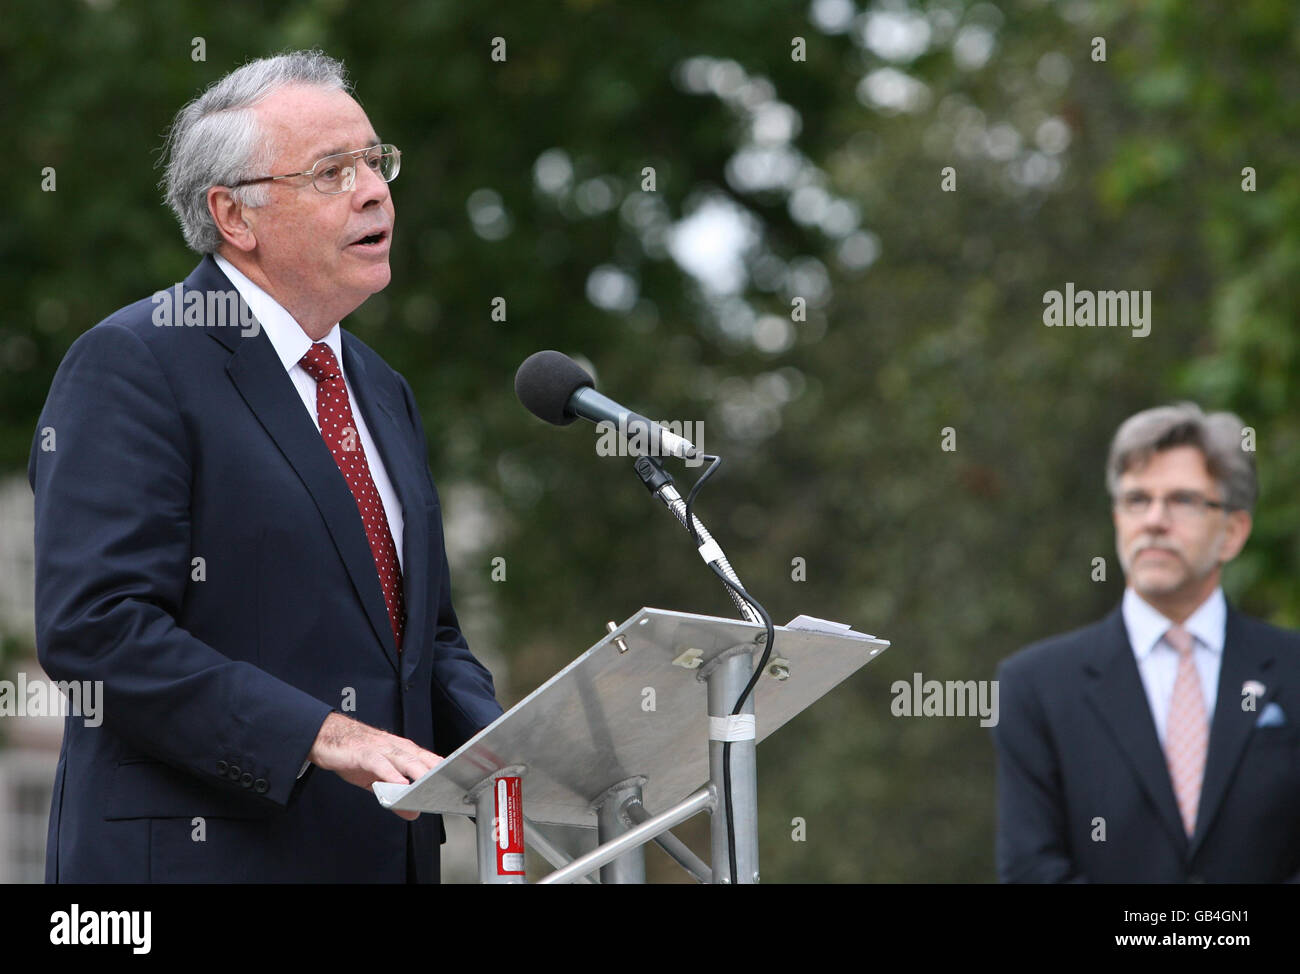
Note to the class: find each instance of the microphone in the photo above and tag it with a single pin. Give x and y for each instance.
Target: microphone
(558, 390)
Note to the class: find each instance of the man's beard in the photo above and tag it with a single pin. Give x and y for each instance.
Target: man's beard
(1192, 574)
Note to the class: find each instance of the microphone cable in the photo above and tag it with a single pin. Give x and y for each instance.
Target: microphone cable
(754, 677)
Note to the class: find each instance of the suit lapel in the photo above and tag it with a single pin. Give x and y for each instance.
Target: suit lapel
(405, 473)
(1115, 691)
(260, 378)
(1242, 660)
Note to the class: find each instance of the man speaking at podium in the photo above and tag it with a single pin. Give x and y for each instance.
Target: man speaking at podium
(237, 531)
(1158, 745)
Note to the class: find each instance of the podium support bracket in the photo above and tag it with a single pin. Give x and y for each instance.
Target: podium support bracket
(610, 824)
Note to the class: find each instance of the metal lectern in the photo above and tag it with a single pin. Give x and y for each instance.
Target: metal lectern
(621, 739)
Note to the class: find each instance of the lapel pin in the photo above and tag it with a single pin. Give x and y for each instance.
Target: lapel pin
(1253, 688)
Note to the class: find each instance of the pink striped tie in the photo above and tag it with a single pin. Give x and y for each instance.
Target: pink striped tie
(1187, 731)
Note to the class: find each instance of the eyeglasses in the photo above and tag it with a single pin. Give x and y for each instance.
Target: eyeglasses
(1182, 505)
(338, 173)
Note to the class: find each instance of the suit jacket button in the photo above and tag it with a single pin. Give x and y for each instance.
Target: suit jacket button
(233, 773)
(260, 786)
(246, 779)
(407, 685)
(221, 767)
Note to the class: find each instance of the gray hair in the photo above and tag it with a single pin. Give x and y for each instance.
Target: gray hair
(216, 139)
(1218, 436)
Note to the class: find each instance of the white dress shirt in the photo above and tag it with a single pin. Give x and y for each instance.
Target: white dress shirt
(291, 343)
(1158, 662)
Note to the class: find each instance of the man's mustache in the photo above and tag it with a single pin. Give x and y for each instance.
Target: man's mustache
(1141, 546)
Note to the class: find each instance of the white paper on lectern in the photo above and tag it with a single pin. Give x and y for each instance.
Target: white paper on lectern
(389, 793)
(813, 624)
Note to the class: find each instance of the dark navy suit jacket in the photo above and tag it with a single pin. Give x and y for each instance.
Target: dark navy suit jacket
(173, 444)
(1076, 744)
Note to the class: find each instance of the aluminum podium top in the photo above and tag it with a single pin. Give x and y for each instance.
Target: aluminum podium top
(612, 715)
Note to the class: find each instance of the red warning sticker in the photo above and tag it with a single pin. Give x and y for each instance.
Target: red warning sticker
(509, 827)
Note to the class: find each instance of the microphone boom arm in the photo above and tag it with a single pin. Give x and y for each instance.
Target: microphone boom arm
(660, 485)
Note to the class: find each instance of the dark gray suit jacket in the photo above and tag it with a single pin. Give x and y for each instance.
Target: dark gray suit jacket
(1078, 754)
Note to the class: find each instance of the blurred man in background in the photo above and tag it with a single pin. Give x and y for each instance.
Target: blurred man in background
(1158, 745)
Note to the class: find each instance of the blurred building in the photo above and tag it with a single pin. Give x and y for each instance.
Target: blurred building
(29, 746)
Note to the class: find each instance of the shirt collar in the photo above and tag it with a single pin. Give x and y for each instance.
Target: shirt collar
(286, 335)
(1146, 625)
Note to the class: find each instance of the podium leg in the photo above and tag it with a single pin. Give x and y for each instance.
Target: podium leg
(610, 824)
(726, 682)
(499, 829)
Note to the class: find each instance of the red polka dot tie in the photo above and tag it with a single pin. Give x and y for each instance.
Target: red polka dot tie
(334, 413)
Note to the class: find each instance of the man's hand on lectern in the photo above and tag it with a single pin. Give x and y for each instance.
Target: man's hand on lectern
(361, 755)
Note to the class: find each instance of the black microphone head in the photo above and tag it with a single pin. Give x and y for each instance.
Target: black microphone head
(546, 380)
